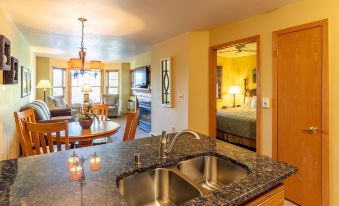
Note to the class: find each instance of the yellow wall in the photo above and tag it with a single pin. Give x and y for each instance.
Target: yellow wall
(234, 71)
(10, 95)
(300, 12)
(198, 43)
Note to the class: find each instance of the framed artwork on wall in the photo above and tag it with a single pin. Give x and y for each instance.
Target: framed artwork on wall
(166, 82)
(26, 82)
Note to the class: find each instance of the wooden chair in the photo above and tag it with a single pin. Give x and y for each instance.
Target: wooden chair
(42, 136)
(131, 125)
(101, 110)
(20, 119)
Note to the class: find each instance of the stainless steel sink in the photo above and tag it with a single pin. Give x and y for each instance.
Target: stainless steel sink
(180, 183)
(157, 187)
(211, 172)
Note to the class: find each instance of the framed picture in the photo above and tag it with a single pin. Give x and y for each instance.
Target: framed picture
(26, 82)
(166, 82)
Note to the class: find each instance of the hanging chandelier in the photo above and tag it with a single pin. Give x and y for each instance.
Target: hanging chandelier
(79, 63)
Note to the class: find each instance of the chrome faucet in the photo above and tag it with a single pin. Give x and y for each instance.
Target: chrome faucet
(164, 151)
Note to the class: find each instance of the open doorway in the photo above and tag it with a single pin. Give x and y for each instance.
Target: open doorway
(235, 93)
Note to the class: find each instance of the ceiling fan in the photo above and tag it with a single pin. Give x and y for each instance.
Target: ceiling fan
(239, 48)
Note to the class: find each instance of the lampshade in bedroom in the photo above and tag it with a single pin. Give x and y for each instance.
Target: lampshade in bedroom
(234, 90)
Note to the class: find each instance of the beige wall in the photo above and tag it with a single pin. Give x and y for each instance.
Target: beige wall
(190, 72)
(140, 60)
(170, 119)
(10, 95)
(300, 12)
(43, 72)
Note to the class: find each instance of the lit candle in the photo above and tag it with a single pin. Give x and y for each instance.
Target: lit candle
(73, 159)
(75, 172)
(95, 162)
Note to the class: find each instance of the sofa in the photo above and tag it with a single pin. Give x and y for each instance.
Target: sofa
(113, 104)
(45, 115)
(58, 102)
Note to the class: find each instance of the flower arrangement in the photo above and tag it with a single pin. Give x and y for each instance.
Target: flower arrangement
(86, 116)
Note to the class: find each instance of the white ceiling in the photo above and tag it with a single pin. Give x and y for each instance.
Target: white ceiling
(232, 51)
(119, 29)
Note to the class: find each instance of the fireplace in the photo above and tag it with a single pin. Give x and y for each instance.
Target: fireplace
(145, 115)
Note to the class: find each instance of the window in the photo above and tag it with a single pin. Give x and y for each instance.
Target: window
(112, 82)
(88, 78)
(59, 81)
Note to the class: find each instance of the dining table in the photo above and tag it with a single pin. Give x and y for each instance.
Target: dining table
(99, 129)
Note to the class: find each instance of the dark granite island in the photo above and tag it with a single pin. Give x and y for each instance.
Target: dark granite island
(44, 179)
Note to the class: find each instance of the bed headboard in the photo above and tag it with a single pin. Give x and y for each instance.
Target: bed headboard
(253, 92)
(249, 92)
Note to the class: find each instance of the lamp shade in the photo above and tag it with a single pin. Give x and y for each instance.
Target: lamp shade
(86, 88)
(75, 63)
(44, 84)
(95, 64)
(234, 90)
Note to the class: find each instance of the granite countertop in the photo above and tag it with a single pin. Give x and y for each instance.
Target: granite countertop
(44, 179)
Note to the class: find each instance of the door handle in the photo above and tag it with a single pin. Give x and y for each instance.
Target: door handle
(311, 130)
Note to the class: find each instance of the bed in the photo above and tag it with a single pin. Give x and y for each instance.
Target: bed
(237, 125)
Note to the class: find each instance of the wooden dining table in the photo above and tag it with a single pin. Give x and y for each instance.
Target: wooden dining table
(99, 129)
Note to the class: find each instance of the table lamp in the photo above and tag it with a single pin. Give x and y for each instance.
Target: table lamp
(86, 89)
(44, 84)
(234, 90)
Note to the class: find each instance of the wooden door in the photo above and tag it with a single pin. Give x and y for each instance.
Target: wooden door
(299, 111)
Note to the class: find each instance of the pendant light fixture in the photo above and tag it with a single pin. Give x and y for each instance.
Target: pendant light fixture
(79, 63)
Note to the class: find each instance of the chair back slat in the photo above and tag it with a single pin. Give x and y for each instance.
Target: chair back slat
(50, 142)
(40, 132)
(101, 110)
(43, 142)
(20, 119)
(131, 125)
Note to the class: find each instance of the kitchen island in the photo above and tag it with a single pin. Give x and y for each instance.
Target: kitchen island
(45, 179)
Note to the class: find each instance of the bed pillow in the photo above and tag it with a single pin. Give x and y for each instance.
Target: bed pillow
(254, 102)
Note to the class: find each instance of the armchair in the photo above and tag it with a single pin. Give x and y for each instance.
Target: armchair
(113, 104)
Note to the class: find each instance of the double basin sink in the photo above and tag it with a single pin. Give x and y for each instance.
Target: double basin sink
(182, 182)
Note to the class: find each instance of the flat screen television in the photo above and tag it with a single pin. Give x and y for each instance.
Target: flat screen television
(141, 77)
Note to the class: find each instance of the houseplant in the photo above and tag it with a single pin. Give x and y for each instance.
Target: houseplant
(86, 116)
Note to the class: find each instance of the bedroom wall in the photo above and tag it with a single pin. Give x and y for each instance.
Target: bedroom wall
(235, 70)
(297, 13)
(10, 95)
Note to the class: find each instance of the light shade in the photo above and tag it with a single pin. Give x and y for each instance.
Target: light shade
(95, 64)
(234, 90)
(86, 88)
(75, 63)
(44, 84)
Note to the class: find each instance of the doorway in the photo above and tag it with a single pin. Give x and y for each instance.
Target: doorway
(300, 111)
(234, 83)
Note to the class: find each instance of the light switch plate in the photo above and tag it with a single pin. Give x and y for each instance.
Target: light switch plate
(266, 102)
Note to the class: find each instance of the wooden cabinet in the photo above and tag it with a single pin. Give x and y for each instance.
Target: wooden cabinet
(273, 197)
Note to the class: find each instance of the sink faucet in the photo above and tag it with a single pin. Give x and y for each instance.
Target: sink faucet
(164, 151)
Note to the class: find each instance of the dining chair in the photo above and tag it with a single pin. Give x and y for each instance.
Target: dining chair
(101, 111)
(131, 125)
(20, 119)
(43, 135)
